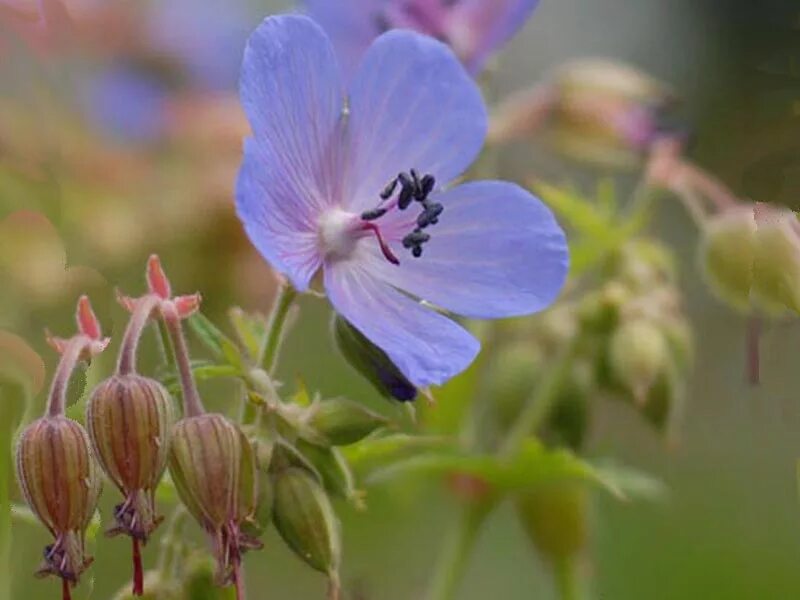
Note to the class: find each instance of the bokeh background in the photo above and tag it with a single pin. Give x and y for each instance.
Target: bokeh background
(91, 183)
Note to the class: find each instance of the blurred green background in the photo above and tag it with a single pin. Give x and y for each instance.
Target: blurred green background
(730, 527)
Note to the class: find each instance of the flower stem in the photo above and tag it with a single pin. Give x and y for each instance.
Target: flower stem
(170, 542)
(454, 558)
(57, 400)
(138, 572)
(238, 580)
(192, 405)
(567, 579)
(541, 402)
(133, 332)
(65, 591)
(276, 326)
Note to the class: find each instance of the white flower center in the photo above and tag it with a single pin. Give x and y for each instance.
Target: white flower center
(337, 233)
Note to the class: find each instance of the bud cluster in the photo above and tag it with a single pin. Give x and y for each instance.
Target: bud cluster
(635, 344)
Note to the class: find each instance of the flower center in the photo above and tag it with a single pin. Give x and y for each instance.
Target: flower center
(339, 231)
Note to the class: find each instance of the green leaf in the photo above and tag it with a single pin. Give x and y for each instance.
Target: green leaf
(220, 345)
(630, 484)
(251, 330)
(377, 452)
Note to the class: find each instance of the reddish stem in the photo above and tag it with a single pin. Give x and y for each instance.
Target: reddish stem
(138, 572)
(753, 350)
(192, 405)
(57, 400)
(142, 311)
(65, 591)
(238, 580)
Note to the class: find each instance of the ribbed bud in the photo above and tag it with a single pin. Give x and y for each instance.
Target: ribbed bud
(333, 470)
(372, 362)
(555, 518)
(638, 354)
(61, 483)
(213, 467)
(342, 422)
(728, 255)
(129, 419)
(306, 521)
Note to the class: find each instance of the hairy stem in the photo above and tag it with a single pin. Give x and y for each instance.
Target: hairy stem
(192, 405)
(276, 327)
(138, 571)
(133, 332)
(57, 400)
(454, 556)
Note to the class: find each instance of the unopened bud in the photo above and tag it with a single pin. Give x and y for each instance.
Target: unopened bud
(776, 276)
(334, 472)
(727, 255)
(129, 419)
(213, 467)
(199, 581)
(555, 518)
(606, 113)
(306, 521)
(61, 483)
(568, 421)
(342, 422)
(372, 362)
(638, 354)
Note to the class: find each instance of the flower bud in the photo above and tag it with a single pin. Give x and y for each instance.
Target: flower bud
(638, 354)
(129, 419)
(555, 518)
(306, 521)
(342, 422)
(776, 273)
(727, 255)
(372, 362)
(213, 467)
(334, 472)
(606, 113)
(61, 483)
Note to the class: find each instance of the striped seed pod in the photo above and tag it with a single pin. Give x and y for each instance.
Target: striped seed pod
(213, 466)
(129, 418)
(61, 483)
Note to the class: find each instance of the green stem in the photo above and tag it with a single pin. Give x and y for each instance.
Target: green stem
(454, 557)
(567, 579)
(192, 404)
(539, 405)
(276, 327)
(171, 542)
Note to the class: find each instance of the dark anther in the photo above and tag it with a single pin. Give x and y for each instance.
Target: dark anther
(372, 215)
(428, 181)
(389, 189)
(430, 216)
(415, 238)
(416, 252)
(406, 196)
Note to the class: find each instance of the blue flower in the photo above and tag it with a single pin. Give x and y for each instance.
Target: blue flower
(475, 29)
(352, 181)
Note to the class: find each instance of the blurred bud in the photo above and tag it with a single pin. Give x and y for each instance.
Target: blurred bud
(129, 419)
(776, 273)
(680, 339)
(156, 587)
(199, 580)
(262, 517)
(342, 422)
(213, 467)
(600, 311)
(372, 362)
(606, 113)
(643, 264)
(728, 254)
(556, 326)
(61, 483)
(638, 353)
(664, 403)
(555, 517)
(306, 521)
(334, 472)
(512, 380)
(568, 421)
